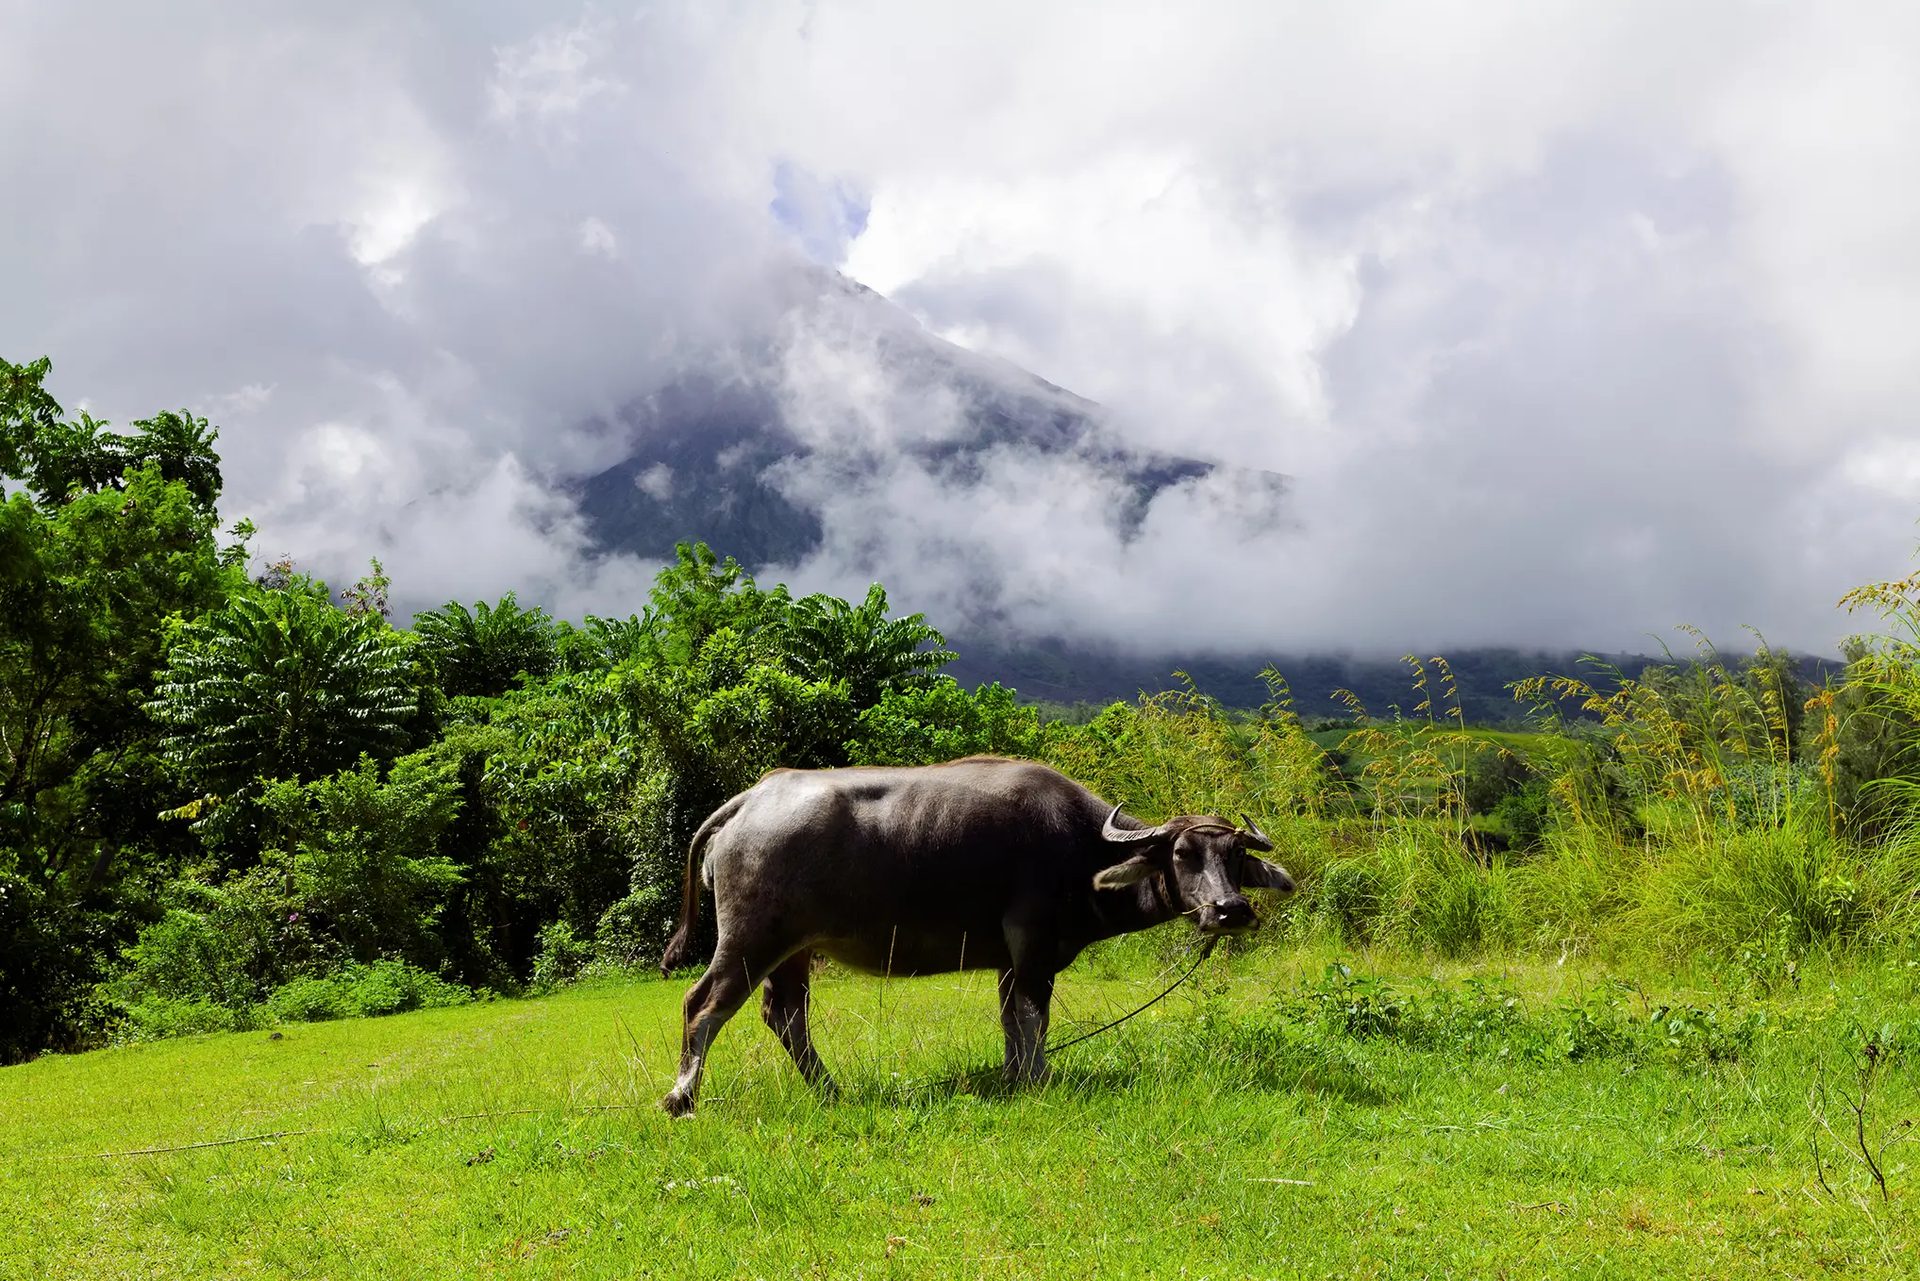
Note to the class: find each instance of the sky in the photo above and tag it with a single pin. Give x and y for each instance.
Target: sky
(1567, 323)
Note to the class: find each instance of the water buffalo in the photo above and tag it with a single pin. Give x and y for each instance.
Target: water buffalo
(979, 864)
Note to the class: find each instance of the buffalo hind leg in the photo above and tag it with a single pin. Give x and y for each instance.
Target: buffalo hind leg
(1026, 999)
(713, 999)
(783, 1004)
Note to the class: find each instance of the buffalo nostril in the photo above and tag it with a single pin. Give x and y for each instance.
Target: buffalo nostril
(1229, 914)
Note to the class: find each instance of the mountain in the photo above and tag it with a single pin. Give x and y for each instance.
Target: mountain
(843, 387)
(1057, 672)
(842, 392)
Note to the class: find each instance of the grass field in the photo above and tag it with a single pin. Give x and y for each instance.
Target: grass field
(1273, 1119)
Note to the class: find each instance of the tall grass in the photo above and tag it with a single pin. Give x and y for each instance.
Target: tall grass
(1696, 810)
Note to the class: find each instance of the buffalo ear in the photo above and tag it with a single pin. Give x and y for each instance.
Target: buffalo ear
(1134, 870)
(1258, 874)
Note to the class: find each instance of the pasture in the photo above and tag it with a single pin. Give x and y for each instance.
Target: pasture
(1293, 1111)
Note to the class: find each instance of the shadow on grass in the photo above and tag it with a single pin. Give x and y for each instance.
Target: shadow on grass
(1269, 1064)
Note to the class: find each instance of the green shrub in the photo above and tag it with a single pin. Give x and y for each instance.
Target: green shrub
(1522, 815)
(633, 932)
(208, 949)
(154, 1018)
(361, 853)
(309, 1000)
(561, 957)
(384, 987)
(943, 721)
(1483, 1017)
(1347, 896)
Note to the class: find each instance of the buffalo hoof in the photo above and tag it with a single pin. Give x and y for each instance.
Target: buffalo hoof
(676, 1104)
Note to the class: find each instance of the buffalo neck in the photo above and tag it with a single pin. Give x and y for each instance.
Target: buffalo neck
(1140, 906)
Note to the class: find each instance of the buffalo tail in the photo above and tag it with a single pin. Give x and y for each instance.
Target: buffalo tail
(680, 947)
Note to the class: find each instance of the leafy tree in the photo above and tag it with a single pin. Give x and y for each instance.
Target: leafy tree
(67, 459)
(87, 592)
(27, 412)
(600, 643)
(282, 685)
(829, 639)
(61, 458)
(481, 651)
(698, 595)
(360, 855)
(942, 721)
(101, 557)
(181, 446)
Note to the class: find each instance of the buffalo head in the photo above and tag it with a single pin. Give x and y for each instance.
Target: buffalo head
(1204, 863)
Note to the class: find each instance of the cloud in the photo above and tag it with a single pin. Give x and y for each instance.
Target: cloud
(1567, 323)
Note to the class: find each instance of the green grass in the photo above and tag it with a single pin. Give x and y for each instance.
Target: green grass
(1252, 1125)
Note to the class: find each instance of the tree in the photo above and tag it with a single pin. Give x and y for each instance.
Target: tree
(481, 651)
(103, 554)
(698, 595)
(181, 446)
(942, 721)
(61, 459)
(27, 412)
(88, 591)
(828, 639)
(282, 685)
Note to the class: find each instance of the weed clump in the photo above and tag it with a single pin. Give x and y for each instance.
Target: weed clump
(1482, 1017)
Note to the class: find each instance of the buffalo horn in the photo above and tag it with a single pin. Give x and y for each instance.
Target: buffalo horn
(1253, 838)
(1125, 836)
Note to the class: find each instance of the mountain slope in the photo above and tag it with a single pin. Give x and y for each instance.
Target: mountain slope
(844, 389)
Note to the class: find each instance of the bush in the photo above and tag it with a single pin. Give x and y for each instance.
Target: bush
(633, 932)
(361, 853)
(213, 947)
(561, 957)
(942, 721)
(1347, 896)
(1521, 815)
(157, 1017)
(48, 954)
(309, 1000)
(384, 987)
(1483, 1017)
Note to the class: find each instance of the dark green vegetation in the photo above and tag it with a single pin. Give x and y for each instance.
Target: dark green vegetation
(1632, 986)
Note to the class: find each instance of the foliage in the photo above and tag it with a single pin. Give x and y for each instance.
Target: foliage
(280, 684)
(1488, 1018)
(1180, 752)
(102, 555)
(561, 957)
(1710, 737)
(383, 987)
(61, 458)
(828, 639)
(482, 651)
(497, 799)
(943, 721)
(359, 857)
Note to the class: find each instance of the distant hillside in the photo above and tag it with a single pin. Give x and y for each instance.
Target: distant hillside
(739, 462)
(1056, 672)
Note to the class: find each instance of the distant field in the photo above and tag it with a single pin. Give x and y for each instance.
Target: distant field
(1465, 1121)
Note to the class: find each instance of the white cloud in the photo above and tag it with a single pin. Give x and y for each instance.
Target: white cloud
(1569, 322)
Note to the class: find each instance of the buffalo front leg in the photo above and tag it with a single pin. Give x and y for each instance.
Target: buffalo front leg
(713, 999)
(1026, 999)
(783, 1004)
